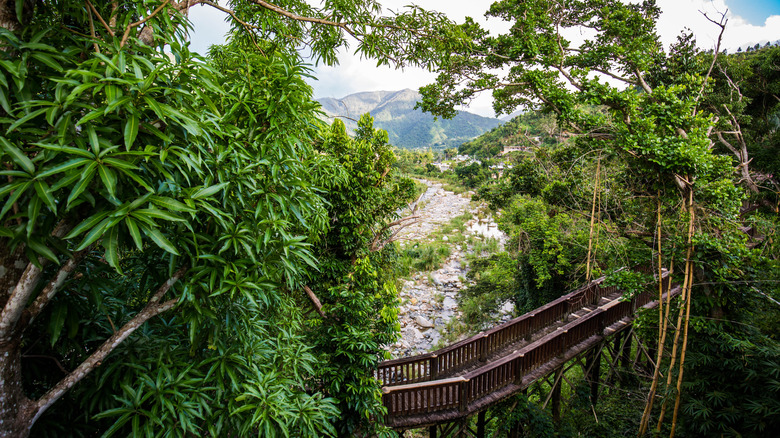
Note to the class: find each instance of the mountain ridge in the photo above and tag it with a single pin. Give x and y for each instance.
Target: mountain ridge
(406, 126)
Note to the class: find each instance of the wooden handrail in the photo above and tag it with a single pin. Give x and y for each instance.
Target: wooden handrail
(472, 349)
(457, 394)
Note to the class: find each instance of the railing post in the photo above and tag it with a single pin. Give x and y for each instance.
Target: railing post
(564, 342)
(601, 325)
(433, 365)
(519, 369)
(566, 310)
(530, 330)
(483, 348)
(463, 387)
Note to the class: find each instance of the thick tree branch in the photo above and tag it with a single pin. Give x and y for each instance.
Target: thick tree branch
(24, 289)
(296, 17)
(402, 223)
(17, 301)
(314, 300)
(132, 26)
(100, 17)
(642, 82)
(49, 291)
(153, 307)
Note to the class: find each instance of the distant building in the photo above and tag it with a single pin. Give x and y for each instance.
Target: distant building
(516, 148)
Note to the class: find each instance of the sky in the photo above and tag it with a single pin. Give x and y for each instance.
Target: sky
(750, 22)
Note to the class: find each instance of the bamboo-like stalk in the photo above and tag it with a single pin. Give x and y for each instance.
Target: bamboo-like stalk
(685, 296)
(661, 330)
(688, 268)
(592, 220)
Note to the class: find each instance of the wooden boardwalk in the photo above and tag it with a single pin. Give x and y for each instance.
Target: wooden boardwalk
(464, 378)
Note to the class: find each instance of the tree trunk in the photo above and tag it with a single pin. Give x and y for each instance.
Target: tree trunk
(16, 409)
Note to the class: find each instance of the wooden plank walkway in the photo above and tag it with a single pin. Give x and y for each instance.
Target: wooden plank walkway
(466, 377)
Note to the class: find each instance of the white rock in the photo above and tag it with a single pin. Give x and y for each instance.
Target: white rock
(411, 335)
(507, 308)
(449, 303)
(423, 322)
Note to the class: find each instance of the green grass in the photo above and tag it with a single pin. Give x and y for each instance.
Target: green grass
(421, 257)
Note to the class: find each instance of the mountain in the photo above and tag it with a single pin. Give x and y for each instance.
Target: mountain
(407, 127)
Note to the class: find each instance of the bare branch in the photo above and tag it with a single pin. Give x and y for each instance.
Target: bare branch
(642, 82)
(92, 31)
(280, 11)
(722, 23)
(131, 26)
(315, 301)
(102, 21)
(402, 223)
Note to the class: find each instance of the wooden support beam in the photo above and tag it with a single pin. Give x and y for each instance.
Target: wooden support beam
(556, 397)
(432, 431)
(595, 375)
(481, 424)
(626, 349)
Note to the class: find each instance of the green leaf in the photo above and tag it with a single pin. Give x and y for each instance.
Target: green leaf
(33, 208)
(93, 139)
(48, 60)
(86, 224)
(92, 115)
(110, 243)
(86, 178)
(44, 193)
(19, 190)
(4, 99)
(117, 102)
(57, 321)
(94, 234)
(22, 120)
(136, 178)
(17, 156)
(155, 106)
(67, 149)
(108, 177)
(134, 232)
(20, 14)
(62, 167)
(171, 204)
(208, 191)
(131, 130)
(158, 238)
(66, 181)
(160, 214)
(42, 250)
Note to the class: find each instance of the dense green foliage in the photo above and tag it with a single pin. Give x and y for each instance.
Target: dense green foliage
(163, 214)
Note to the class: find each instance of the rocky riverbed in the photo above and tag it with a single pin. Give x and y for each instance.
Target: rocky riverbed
(429, 299)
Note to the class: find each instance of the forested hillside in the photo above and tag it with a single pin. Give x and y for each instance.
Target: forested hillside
(530, 129)
(407, 127)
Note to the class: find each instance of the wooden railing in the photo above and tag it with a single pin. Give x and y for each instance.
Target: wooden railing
(425, 367)
(456, 394)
